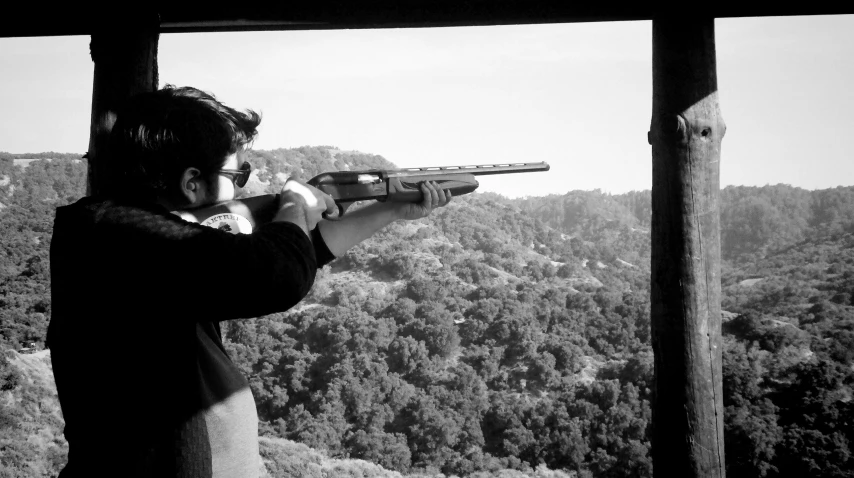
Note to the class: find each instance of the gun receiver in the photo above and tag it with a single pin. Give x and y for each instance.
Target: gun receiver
(401, 185)
(346, 187)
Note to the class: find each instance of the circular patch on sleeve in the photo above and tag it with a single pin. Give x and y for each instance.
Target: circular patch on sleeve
(229, 222)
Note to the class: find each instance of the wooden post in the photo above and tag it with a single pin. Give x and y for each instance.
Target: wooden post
(125, 56)
(685, 134)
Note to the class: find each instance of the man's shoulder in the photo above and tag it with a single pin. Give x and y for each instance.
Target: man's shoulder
(98, 209)
(73, 214)
(90, 202)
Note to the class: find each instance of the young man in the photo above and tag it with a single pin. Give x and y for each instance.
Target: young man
(145, 385)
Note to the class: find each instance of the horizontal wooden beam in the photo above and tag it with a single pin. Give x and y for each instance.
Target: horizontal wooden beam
(345, 14)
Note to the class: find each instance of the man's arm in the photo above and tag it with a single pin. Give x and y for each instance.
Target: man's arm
(359, 225)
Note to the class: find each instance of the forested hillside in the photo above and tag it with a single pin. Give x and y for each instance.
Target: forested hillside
(755, 221)
(494, 335)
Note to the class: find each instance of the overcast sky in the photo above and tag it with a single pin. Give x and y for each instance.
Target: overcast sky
(578, 96)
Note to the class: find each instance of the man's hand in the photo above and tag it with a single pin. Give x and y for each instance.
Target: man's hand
(433, 197)
(361, 224)
(299, 201)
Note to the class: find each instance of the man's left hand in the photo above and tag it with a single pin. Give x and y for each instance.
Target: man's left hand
(434, 197)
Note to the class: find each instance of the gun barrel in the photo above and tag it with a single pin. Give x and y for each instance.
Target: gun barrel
(476, 170)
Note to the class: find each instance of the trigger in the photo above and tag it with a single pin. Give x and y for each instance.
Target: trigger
(338, 217)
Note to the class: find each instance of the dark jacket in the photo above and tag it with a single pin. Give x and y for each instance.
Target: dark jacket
(137, 297)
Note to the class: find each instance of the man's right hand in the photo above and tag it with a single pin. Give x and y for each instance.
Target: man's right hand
(310, 201)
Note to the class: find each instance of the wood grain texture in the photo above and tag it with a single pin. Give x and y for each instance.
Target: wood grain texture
(686, 133)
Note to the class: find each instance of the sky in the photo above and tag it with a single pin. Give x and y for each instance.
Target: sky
(578, 96)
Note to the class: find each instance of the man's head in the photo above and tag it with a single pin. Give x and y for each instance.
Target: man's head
(168, 146)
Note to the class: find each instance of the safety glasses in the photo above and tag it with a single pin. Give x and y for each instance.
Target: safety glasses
(238, 176)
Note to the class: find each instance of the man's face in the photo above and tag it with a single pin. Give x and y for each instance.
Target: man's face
(221, 188)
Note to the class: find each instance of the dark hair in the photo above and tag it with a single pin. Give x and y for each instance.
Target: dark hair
(158, 135)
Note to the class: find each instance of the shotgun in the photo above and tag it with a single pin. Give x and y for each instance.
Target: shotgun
(347, 187)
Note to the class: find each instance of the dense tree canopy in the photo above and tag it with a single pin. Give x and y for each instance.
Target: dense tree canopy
(496, 333)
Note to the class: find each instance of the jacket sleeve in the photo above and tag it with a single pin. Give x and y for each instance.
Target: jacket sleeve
(207, 273)
(321, 250)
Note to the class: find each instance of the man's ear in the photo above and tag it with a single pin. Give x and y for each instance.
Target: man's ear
(192, 186)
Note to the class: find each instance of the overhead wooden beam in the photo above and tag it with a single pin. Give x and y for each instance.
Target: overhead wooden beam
(685, 134)
(83, 19)
(125, 57)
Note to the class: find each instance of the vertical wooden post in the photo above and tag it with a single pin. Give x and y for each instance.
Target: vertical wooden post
(685, 134)
(125, 56)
